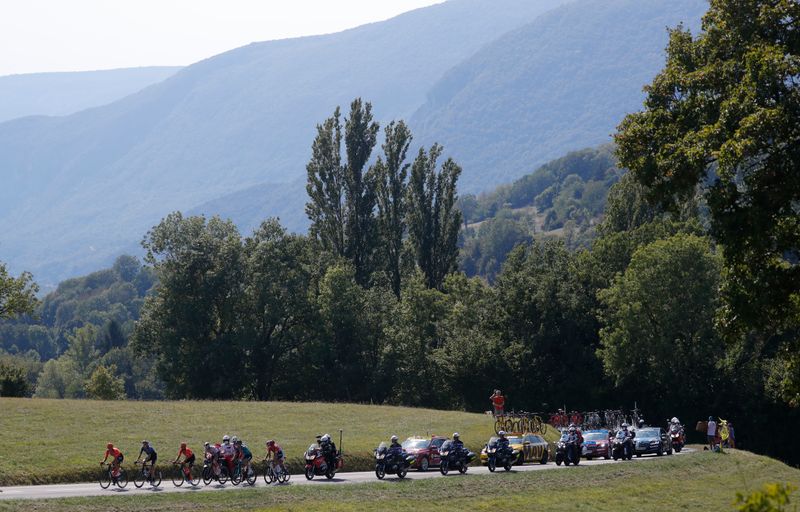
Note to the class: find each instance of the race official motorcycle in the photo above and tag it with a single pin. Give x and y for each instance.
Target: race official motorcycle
(622, 446)
(453, 458)
(316, 464)
(568, 450)
(503, 457)
(389, 462)
(677, 436)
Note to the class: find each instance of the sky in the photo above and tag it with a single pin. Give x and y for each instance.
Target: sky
(80, 35)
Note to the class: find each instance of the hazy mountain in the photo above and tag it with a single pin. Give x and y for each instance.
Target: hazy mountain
(60, 94)
(560, 83)
(78, 190)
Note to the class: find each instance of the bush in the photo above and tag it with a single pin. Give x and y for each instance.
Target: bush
(13, 380)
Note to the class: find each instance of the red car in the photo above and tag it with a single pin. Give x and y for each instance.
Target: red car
(426, 451)
(596, 443)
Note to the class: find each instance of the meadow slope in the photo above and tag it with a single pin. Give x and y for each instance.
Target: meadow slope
(62, 440)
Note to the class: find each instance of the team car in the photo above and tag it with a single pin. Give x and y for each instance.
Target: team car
(531, 448)
(596, 443)
(652, 440)
(425, 450)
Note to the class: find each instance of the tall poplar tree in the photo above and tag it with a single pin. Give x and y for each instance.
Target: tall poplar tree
(391, 176)
(433, 217)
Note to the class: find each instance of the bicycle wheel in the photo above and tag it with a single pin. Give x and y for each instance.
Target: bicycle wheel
(285, 476)
(105, 479)
(155, 480)
(193, 477)
(542, 428)
(223, 475)
(178, 478)
(139, 479)
(236, 476)
(499, 424)
(208, 475)
(269, 476)
(122, 479)
(251, 476)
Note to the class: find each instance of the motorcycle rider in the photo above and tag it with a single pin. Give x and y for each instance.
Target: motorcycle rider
(458, 444)
(395, 449)
(328, 448)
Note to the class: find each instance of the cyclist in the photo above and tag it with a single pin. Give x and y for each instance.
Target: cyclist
(275, 452)
(227, 451)
(244, 454)
(188, 457)
(116, 458)
(212, 452)
(152, 456)
(328, 450)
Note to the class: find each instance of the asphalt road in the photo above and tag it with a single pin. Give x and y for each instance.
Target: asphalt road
(93, 489)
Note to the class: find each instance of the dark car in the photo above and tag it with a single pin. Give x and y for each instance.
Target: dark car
(426, 451)
(652, 440)
(596, 443)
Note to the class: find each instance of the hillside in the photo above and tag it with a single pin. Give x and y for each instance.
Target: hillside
(81, 189)
(78, 430)
(561, 83)
(61, 94)
(565, 198)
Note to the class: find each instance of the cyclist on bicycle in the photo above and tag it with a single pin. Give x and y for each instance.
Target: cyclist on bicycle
(212, 452)
(275, 453)
(188, 456)
(244, 454)
(116, 458)
(152, 456)
(227, 451)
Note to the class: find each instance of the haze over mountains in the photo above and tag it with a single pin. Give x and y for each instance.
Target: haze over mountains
(505, 85)
(61, 94)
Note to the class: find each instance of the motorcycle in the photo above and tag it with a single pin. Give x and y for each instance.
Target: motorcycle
(453, 458)
(677, 436)
(568, 450)
(500, 457)
(316, 464)
(391, 462)
(622, 446)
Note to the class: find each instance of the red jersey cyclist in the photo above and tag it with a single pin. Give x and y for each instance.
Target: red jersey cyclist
(275, 452)
(188, 457)
(116, 458)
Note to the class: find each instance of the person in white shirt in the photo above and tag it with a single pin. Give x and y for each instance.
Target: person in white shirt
(711, 433)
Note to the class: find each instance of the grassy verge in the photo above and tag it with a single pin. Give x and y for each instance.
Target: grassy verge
(62, 440)
(698, 481)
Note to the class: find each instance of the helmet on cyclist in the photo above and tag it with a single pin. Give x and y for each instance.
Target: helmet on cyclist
(571, 425)
(183, 446)
(270, 442)
(455, 435)
(641, 423)
(502, 433)
(110, 445)
(226, 439)
(710, 418)
(394, 439)
(206, 444)
(572, 430)
(145, 441)
(235, 439)
(624, 425)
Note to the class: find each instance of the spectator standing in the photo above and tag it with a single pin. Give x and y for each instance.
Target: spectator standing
(498, 402)
(731, 437)
(711, 432)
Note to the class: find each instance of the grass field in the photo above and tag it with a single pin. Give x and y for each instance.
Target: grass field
(49, 441)
(698, 481)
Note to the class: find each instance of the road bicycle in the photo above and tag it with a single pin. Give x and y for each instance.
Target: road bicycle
(240, 475)
(185, 473)
(274, 473)
(107, 477)
(148, 474)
